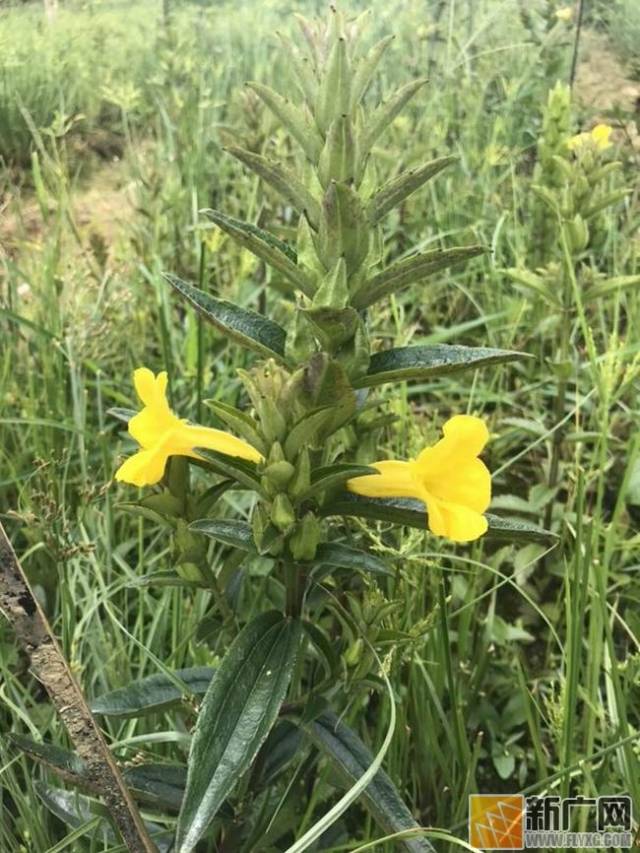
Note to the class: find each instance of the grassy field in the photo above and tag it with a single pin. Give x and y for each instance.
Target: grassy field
(514, 667)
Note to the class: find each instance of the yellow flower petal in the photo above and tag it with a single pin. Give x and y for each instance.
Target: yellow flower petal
(395, 480)
(456, 522)
(218, 440)
(601, 135)
(144, 468)
(151, 389)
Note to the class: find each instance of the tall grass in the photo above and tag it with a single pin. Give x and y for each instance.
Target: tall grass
(514, 669)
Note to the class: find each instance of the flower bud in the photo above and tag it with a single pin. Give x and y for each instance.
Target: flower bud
(302, 477)
(282, 512)
(278, 474)
(303, 543)
(578, 234)
(338, 157)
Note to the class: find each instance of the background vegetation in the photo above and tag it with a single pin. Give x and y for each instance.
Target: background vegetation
(514, 669)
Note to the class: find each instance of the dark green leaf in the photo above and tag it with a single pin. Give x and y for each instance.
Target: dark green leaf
(66, 764)
(351, 758)
(278, 750)
(425, 362)
(248, 328)
(397, 189)
(159, 785)
(154, 693)
(413, 513)
(331, 476)
(75, 810)
(411, 270)
(229, 466)
(265, 246)
(340, 556)
(237, 714)
(516, 530)
(232, 532)
(323, 645)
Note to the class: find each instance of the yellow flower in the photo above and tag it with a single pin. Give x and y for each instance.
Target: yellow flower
(448, 477)
(161, 434)
(565, 13)
(599, 137)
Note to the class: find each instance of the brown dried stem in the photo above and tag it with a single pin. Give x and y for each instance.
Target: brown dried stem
(49, 666)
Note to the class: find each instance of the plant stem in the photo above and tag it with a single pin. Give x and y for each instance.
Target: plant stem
(51, 668)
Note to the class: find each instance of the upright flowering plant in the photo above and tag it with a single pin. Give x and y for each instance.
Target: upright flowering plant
(300, 446)
(305, 447)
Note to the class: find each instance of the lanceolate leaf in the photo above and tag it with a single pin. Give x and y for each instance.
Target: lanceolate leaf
(159, 785)
(350, 757)
(385, 114)
(411, 270)
(232, 532)
(426, 362)
(265, 246)
(154, 693)
(396, 190)
(238, 421)
(229, 466)
(297, 123)
(283, 181)
(366, 68)
(66, 764)
(610, 285)
(413, 513)
(248, 328)
(237, 714)
(331, 476)
(344, 557)
(76, 810)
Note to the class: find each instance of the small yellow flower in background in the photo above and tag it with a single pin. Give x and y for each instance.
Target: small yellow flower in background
(161, 434)
(599, 137)
(448, 477)
(565, 13)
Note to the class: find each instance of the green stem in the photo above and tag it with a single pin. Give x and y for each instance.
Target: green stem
(294, 580)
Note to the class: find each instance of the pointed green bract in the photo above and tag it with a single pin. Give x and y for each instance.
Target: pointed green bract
(411, 270)
(297, 123)
(284, 182)
(385, 114)
(395, 191)
(265, 246)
